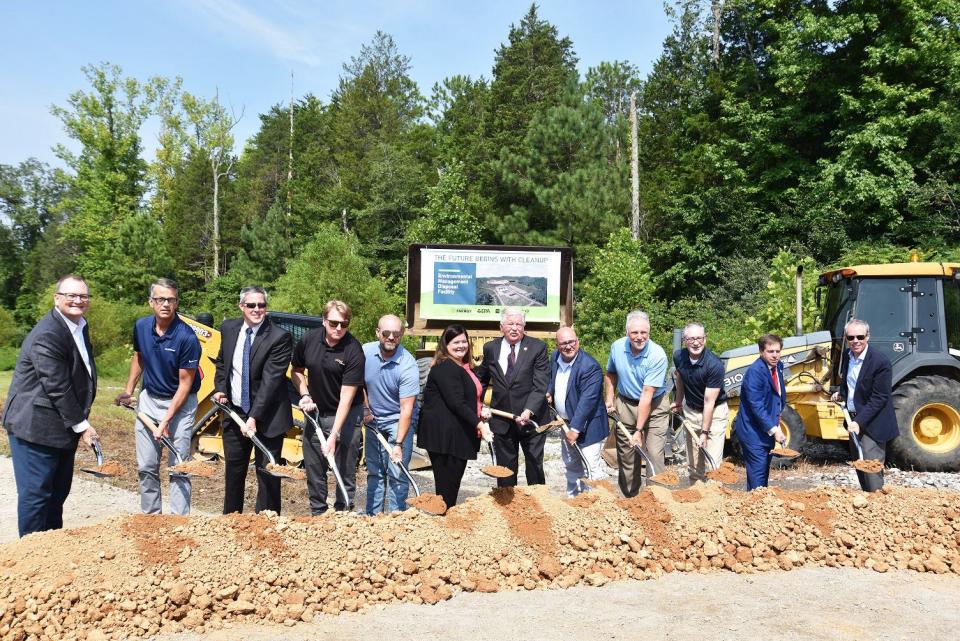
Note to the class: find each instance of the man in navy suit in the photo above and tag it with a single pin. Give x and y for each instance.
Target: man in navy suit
(53, 387)
(762, 399)
(516, 368)
(576, 390)
(865, 384)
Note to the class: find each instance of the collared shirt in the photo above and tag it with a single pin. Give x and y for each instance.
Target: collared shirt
(505, 353)
(164, 356)
(634, 372)
(76, 330)
(853, 375)
(697, 376)
(560, 384)
(389, 380)
(330, 368)
(236, 365)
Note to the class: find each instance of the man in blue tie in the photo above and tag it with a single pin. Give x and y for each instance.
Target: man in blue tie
(251, 378)
(762, 399)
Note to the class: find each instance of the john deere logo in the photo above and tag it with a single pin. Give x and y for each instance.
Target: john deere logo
(898, 347)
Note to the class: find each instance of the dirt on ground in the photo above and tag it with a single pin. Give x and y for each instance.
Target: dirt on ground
(137, 576)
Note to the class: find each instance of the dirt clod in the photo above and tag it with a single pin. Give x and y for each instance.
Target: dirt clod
(287, 470)
(870, 466)
(667, 477)
(726, 473)
(195, 468)
(109, 468)
(497, 471)
(430, 503)
(785, 452)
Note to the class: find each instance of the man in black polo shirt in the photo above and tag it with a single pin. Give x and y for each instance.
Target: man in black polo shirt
(167, 353)
(701, 396)
(334, 362)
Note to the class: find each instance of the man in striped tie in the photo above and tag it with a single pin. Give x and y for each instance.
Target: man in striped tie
(251, 378)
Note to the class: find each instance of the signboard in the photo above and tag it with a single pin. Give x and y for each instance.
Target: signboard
(474, 284)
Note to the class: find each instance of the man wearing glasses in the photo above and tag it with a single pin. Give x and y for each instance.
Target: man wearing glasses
(334, 360)
(392, 385)
(866, 380)
(576, 391)
(701, 397)
(53, 387)
(166, 353)
(251, 378)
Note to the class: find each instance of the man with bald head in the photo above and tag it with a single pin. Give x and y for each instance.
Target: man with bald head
(576, 391)
(392, 383)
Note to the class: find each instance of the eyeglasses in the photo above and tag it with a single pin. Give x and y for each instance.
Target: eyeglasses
(255, 305)
(569, 343)
(75, 298)
(388, 334)
(337, 324)
(161, 300)
(858, 337)
(695, 339)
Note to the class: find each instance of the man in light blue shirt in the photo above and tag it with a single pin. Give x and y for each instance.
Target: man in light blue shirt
(392, 384)
(635, 395)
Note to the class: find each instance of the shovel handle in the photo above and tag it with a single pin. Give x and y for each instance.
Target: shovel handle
(646, 457)
(389, 451)
(97, 451)
(331, 462)
(696, 441)
(853, 435)
(512, 417)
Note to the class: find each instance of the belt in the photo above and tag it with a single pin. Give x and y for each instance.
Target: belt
(158, 397)
(628, 400)
(699, 408)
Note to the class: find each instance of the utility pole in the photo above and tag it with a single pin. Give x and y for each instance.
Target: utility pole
(634, 170)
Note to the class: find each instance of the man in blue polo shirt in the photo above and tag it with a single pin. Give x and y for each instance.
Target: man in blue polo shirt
(392, 385)
(167, 354)
(635, 393)
(700, 395)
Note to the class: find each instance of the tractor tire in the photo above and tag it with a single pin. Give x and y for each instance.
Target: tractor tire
(928, 415)
(792, 426)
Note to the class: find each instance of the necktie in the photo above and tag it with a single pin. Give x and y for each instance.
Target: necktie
(245, 373)
(776, 383)
(511, 361)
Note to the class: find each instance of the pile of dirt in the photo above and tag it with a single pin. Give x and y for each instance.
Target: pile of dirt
(137, 576)
(109, 468)
(725, 473)
(497, 471)
(195, 468)
(667, 477)
(287, 471)
(429, 503)
(785, 452)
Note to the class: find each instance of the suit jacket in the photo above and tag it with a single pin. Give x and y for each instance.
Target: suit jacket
(448, 418)
(584, 401)
(51, 389)
(871, 397)
(528, 388)
(269, 359)
(760, 405)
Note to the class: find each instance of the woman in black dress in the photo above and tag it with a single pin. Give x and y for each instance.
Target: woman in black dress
(450, 424)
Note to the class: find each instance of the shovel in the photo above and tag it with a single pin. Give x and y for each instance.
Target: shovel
(426, 506)
(389, 450)
(496, 471)
(272, 468)
(152, 425)
(696, 440)
(861, 464)
(98, 470)
(643, 453)
(330, 461)
(576, 446)
(502, 414)
(856, 441)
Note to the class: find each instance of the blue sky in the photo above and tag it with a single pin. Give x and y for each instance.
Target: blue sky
(246, 49)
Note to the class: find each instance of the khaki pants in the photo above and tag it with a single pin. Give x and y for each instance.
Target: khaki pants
(654, 440)
(718, 432)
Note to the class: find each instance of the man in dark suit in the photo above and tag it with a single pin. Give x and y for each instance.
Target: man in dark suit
(576, 391)
(516, 367)
(866, 381)
(762, 399)
(53, 387)
(251, 377)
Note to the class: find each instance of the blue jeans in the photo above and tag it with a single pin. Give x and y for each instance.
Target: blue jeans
(381, 471)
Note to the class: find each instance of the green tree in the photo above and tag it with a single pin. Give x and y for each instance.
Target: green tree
(137, 259)
(265, 249)
(449, 216)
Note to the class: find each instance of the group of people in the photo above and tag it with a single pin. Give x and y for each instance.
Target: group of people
(346, 386)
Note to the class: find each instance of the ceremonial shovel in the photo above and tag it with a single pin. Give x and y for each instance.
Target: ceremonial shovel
(272, 468)
(330, 461)
(643, 453)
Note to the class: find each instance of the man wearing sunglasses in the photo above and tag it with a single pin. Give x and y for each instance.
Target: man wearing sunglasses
(328, 367)
(251, 378)
(866, 380)
(392, 385)
(166, 353)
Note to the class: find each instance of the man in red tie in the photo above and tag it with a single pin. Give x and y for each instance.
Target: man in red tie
(762, 399)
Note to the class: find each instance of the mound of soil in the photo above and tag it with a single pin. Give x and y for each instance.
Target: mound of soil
(726, 473)
(870, 466)
(195, 468)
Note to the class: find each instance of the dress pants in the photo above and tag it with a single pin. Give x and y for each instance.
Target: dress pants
(756, 461)
(508, 448)
(871, 450)
(236, 458)
(447, 474)
(574, 466)
(149, 451)
(43, 476)
(630, 462)
(345, 456)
